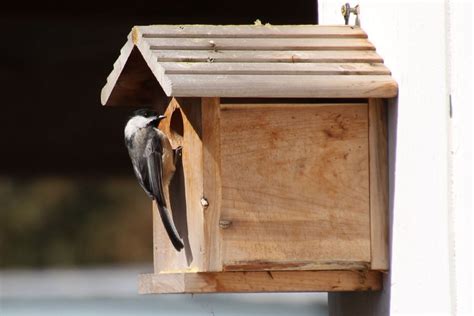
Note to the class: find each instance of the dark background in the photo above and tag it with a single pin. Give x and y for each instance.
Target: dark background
(54, 61)
(67, 192)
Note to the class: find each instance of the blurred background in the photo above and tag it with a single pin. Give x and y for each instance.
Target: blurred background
(75, 228)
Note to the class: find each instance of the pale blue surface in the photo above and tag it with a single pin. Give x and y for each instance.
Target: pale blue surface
(112, 291)
(216, 304)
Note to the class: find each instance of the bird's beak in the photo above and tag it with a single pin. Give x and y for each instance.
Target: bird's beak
(157, 120)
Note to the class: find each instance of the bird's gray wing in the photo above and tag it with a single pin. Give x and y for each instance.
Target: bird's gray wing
(139, 169)
(153, 182)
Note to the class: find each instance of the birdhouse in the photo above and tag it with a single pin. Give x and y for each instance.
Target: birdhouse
(282, 183)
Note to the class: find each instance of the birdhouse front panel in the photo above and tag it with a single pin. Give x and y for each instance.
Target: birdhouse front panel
(295, 186)
(281, 184)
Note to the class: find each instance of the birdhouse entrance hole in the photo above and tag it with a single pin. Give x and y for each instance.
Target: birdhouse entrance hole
(176, 124)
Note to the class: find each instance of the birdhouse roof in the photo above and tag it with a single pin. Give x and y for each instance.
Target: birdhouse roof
(251, 61)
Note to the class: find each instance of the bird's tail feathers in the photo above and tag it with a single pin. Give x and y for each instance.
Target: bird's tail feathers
(169, 226)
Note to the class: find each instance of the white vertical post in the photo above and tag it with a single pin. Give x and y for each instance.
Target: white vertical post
(412, 37)
(459, 77)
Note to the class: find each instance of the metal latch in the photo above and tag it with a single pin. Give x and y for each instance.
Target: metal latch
(346, 11)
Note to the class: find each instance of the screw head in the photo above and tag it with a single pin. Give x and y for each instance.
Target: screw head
(224, 223)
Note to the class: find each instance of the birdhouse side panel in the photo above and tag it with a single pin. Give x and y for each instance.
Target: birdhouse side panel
(182, 125)
(295, 186)
(379, 194)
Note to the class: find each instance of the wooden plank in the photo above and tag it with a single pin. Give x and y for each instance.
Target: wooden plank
(269, 44)
(164, 255)
(253, 282)
(249, 31)
(292, 265)
(378, 184)
(116, 72)
(212, 189)
(289, 86)
(182, 125)
(275, 68)
(349, 56)
(295, 184)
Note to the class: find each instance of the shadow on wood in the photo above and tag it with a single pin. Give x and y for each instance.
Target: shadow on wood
(178, 206)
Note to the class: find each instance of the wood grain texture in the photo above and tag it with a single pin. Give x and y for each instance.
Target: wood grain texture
(269, 44)
(294, 265)
(378, 157)
(251, 31)
(290, 86)
(262, 56)
(212, 186)
(182, 125)
(275, 68)
(295, 185)
(252, 282)
(253, 62)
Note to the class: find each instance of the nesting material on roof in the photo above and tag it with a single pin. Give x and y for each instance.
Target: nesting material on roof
(298, 61)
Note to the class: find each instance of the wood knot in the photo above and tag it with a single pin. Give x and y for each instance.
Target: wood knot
(204, 202)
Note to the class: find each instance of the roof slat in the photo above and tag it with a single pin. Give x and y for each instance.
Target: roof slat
(347, 56)
(275, 68)
(269, 44)
(251, 31)
(282, 86)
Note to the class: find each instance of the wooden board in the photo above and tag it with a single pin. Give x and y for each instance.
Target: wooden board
(212, 187)
(250, 44)
(235, 56)
(378, 184)
(289, 86)
(252, 282)
(183, 126)
(250, 31)
(295, 186)
(275, 68)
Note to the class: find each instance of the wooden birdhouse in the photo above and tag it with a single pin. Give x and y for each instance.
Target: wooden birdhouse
(282, 185)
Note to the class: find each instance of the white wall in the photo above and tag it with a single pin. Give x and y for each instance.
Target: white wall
(431, 153)
(460, 84)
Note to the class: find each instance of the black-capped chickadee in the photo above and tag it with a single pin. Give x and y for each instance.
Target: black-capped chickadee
(153, 161)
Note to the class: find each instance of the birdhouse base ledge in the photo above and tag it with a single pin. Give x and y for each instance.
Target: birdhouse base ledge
(261, 281)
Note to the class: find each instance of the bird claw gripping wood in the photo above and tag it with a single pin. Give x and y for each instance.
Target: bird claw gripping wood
(178, 152)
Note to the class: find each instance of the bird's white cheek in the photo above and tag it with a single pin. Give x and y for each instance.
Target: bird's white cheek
(130, 130)
(136, 123)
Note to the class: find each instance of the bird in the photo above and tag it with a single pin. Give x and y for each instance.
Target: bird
(154, 163)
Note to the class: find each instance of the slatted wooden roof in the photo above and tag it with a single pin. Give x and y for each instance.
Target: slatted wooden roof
(297, 61)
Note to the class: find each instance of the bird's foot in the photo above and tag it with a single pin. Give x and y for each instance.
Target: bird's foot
(178, 152)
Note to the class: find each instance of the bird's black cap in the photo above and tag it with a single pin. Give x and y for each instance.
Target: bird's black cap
(145, 113)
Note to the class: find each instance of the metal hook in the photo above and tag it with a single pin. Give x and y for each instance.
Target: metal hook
(346, 11)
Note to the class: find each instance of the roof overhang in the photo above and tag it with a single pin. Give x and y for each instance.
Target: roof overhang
(248, 61)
